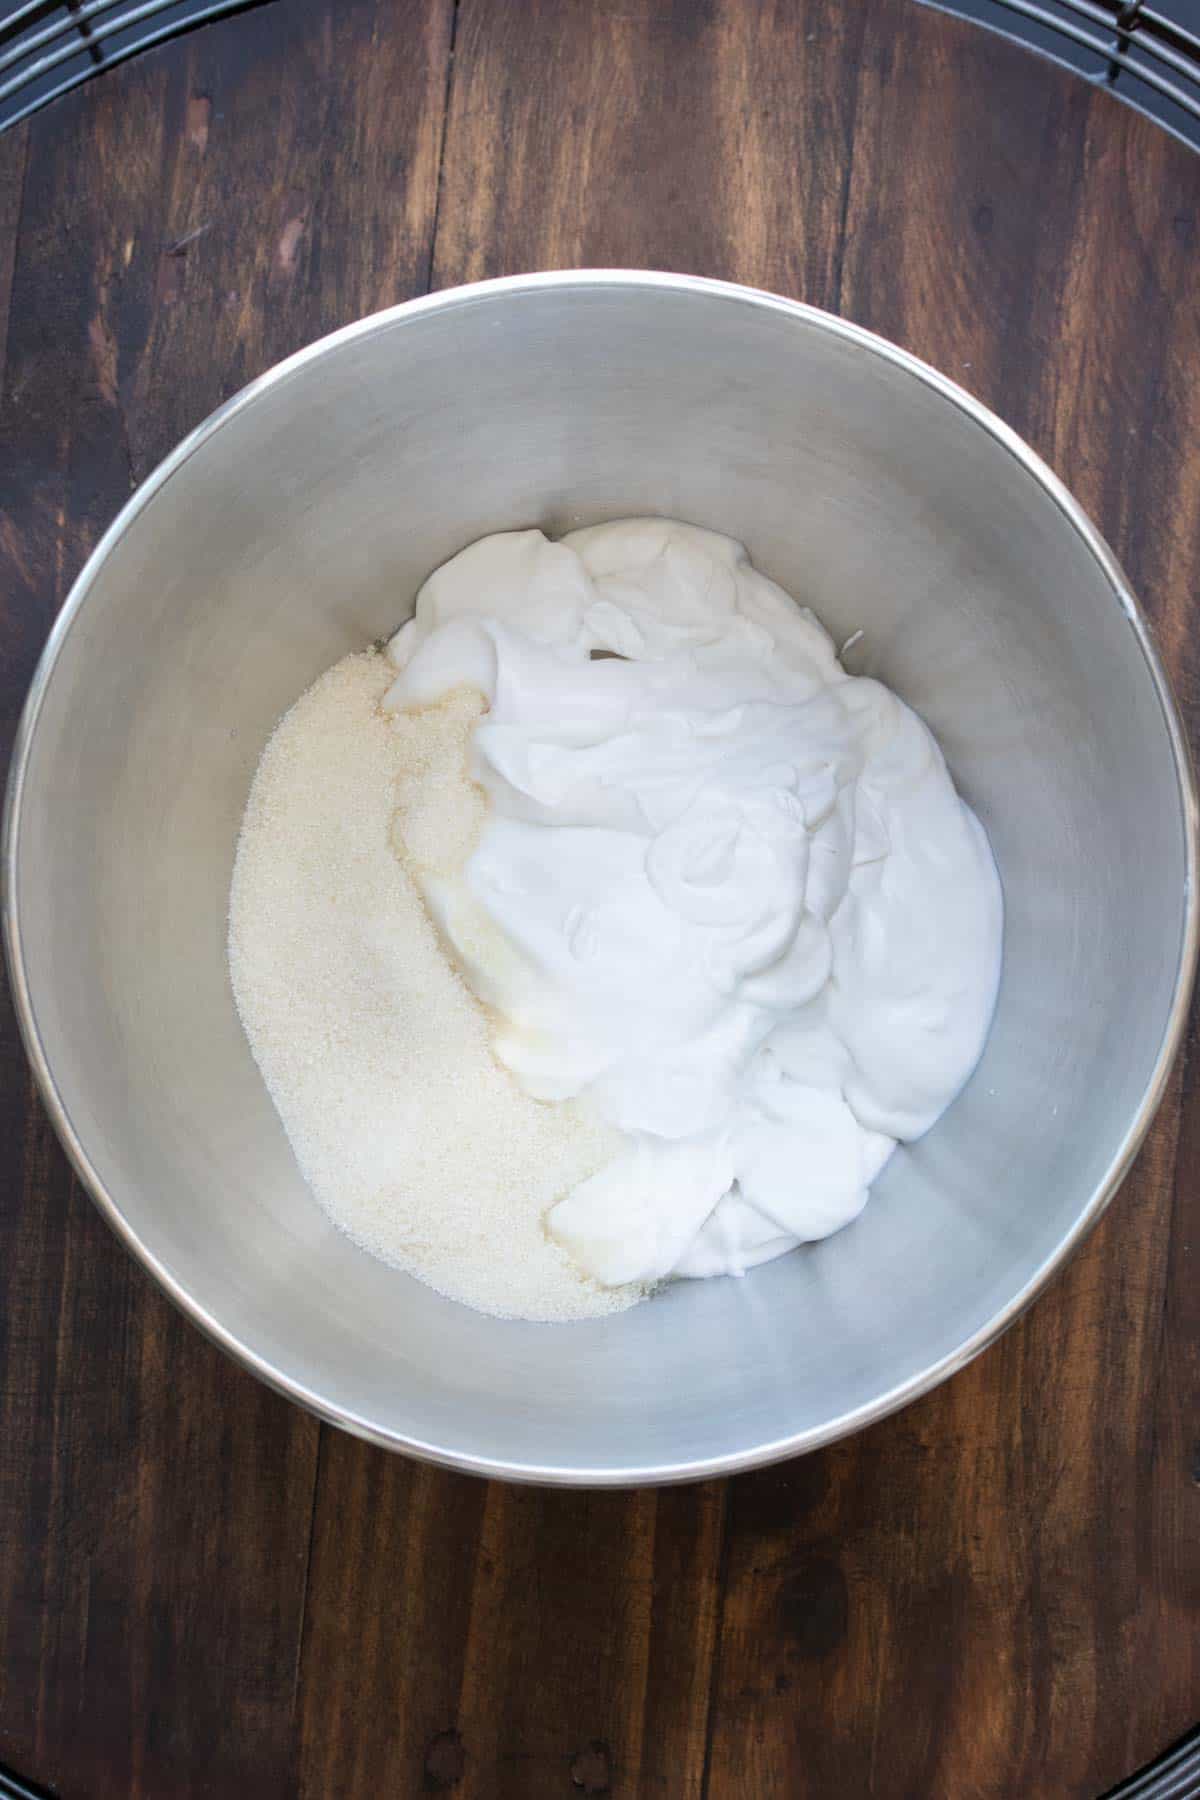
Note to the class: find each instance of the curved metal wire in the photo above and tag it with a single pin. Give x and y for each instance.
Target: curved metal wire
(1147, 57)
(47, 48)
(69, 32)
(1175, 1776)
(1116, 49)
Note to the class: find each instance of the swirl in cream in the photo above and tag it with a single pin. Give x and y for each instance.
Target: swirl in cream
(723, 890)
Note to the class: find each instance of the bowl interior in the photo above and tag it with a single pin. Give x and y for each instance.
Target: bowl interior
(299, 529)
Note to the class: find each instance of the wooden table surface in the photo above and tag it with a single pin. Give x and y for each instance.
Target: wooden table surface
(202, 1590)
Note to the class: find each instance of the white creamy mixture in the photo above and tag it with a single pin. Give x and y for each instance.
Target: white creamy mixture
(605, 929)
(721, 894)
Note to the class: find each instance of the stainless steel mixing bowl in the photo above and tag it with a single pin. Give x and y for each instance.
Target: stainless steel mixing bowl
(297, 524)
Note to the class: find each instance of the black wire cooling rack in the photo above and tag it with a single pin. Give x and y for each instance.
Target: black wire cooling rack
(47, 47)
(1149, 58)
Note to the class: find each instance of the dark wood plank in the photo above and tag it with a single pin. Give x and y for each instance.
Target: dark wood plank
(996, 1592)
(703, 137)
(296, 189)
(185, 222)
(14, 152)
(486, 1638)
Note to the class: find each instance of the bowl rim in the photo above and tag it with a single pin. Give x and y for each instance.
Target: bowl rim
(462, 1458)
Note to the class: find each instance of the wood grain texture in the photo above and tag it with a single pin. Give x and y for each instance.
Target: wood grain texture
(995, 1593)
(700, 137)
(1018, 1495)
(184, 223)
(14, 154)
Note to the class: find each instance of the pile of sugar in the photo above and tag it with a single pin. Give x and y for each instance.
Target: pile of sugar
(410, 1134)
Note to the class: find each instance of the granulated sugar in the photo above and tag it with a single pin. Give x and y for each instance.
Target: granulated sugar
(412, 1137)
